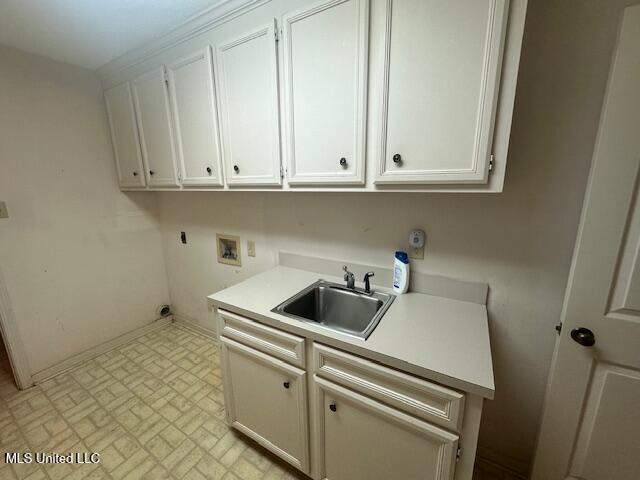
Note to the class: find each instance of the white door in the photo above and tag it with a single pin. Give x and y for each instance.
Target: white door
(156, 132)
(591, 422)
(362, 439)
(325, 92)
(266, 399)
(247, 67)
(124, 136)
(193, 100)
(441, 78)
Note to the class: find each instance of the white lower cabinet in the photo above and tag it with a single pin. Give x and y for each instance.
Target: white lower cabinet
(266, 399)
(352, 420)
(361, 439)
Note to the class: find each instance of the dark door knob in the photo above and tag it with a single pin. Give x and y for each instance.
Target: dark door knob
(135, 174)
(236, 168)
(286, 385)
(332, 407)
(209, 170)
(583, 336)
(343, 162)
(397, 159)
(151, 172)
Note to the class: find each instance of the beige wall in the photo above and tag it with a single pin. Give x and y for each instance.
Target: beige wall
(520, 242)
(82, 261)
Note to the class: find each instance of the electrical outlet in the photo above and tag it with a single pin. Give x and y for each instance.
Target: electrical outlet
(4, 213)
(251, 248)
(416, 253)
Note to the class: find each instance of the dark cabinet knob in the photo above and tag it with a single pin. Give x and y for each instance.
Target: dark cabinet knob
(343, 162)
(332, 407)
(583, 336)
(286, 385)
(236, 168)
(397, 159)
(135, 174)
(209, 170)
(151, 172)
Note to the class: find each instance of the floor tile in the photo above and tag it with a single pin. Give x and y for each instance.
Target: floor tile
(152, 409)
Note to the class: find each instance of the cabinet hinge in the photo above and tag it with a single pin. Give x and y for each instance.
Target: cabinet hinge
(458, 454)
(281, 172)
(276, 34)
(491, 161)
(558, 328)
(165, 77)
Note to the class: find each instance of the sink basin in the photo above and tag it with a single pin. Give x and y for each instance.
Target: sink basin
(333, 306)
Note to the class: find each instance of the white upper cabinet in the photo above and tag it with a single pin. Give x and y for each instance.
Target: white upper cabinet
(441, 80)
(124, 135)
(193, 100)
(154, 125)
(248, 92)
(325, 92)
(324, 95)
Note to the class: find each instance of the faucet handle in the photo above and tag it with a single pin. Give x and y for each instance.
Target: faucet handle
(348, 277)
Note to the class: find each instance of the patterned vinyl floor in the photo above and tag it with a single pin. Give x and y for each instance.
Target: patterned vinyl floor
(153, 409)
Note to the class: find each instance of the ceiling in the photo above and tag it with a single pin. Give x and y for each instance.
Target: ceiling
(90, 33)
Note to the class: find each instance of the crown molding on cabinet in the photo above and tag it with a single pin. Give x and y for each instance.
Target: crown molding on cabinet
(200, 22)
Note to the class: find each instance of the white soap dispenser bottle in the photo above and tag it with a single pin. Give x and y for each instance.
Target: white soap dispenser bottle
(401, 272)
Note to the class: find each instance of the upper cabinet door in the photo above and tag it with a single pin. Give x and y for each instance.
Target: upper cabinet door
(248, 93)
(194, 109)
(325, 92)
(156, 132)
(442, 72)
(124, 135)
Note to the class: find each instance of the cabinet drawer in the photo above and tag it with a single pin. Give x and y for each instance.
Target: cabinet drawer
(437, 404)
(282, 345)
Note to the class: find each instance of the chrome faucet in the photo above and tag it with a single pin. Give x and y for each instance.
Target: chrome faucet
(349, 278)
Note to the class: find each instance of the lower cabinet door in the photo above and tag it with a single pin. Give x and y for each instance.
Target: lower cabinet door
(361, 439)
(266, 399)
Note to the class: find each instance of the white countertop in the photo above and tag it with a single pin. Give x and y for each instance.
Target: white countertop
(436, 338)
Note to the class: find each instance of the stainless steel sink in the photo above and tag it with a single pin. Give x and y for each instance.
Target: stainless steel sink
(336, 307)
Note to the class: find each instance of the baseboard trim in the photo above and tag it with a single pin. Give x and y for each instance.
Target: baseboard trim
(191, 324)
(98, 350)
